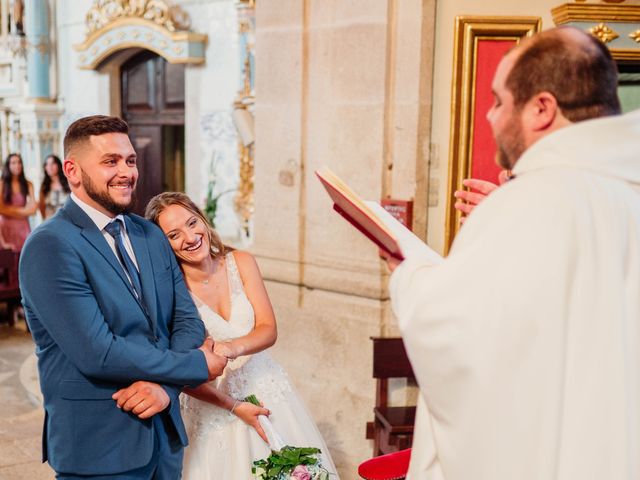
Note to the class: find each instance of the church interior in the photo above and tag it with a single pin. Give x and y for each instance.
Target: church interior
(238, 103)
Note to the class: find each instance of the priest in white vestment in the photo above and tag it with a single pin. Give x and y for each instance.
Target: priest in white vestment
(525, 341)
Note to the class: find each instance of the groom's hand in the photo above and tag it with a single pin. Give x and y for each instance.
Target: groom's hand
(215, 362)
(144, 399)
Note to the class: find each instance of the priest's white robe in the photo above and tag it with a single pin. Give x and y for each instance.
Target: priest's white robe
(525, 341)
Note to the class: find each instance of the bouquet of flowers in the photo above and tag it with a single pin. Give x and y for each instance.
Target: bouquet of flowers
(286, 462)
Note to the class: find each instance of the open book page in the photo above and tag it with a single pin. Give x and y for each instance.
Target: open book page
(412, 247)
(348, 204)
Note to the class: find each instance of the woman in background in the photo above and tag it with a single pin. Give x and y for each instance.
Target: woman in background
(225, 436)
(54, 190)
(16, 191)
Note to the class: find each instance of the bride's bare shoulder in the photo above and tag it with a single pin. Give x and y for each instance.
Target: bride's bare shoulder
(247, 265)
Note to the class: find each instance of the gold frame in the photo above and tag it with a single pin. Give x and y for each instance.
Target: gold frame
(468, 31)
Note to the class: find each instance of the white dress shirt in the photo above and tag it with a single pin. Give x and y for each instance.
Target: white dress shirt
(101, 220)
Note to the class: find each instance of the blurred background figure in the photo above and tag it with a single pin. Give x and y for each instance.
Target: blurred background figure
(15, 191)
(54, 190)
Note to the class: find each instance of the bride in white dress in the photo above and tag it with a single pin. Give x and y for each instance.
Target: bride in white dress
(225, 436)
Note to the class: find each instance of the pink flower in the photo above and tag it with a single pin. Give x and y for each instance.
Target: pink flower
(300, 473)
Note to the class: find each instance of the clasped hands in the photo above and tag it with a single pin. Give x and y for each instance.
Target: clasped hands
(215, 361)
(145, 399)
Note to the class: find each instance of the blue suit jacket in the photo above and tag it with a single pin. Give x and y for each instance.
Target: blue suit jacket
(93, 337)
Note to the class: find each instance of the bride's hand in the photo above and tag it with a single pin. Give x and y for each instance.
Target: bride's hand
(226, 349)
(248, 413)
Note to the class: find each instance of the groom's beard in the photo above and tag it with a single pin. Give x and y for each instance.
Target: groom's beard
(103, 198)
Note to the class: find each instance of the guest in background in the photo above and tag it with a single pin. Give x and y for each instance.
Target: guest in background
(16, 191)
(54, 190)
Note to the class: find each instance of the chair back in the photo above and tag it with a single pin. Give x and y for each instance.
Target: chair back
(390, 358)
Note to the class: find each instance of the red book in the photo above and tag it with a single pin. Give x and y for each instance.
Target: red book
(348, 204)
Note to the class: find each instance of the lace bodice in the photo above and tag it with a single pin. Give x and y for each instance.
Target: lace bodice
(255, 374)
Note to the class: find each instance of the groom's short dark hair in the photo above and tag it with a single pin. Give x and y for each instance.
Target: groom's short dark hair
(83, 128)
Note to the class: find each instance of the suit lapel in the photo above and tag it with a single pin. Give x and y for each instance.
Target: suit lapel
(141, 250)
(95, 237)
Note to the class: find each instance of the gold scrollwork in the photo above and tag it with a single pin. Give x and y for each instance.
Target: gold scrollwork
(603, 33)
(159, 12)
(42, 48)
(244, 200)
(635, 36)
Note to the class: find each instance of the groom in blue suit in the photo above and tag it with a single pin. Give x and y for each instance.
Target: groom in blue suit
(112, 320)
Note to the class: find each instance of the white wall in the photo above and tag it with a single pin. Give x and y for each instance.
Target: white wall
(210, 90)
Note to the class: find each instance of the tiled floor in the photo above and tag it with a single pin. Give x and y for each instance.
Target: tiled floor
(20, 420)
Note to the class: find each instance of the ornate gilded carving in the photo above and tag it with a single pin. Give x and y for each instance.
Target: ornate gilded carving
(243, 117)
(160, 12)
(115, 25)
(604, 33)
(42, 48)
(595, 13)
(244, 198)
(635, 36)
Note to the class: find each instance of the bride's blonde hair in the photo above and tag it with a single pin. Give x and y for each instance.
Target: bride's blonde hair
(160, 202)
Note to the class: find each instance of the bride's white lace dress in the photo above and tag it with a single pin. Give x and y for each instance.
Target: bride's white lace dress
(221, 446)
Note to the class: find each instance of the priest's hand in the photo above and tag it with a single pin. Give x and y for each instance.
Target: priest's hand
(467, 200)
(392, 262)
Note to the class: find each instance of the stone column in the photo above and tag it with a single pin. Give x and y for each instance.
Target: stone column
(38, 45)
(38, 114)
(345, 85)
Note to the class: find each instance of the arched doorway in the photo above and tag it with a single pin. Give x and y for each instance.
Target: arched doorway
(152, 96)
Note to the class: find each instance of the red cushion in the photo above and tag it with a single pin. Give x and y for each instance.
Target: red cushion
(393, 466)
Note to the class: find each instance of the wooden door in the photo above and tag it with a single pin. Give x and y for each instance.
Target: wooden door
(153, 106)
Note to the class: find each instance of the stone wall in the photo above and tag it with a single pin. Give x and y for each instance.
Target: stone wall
(343, 84)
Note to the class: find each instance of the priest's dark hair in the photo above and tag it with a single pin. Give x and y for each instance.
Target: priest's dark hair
(575, 67)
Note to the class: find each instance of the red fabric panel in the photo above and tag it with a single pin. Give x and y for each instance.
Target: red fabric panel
(483, 150)
(393, 466)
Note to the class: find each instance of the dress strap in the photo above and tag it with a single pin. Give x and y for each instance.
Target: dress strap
(196, 300)
(235, 281)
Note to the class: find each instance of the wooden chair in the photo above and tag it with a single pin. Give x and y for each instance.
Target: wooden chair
(9, 289)
(392, 427)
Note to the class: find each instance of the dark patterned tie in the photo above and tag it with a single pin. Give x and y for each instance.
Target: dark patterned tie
(115, 230)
